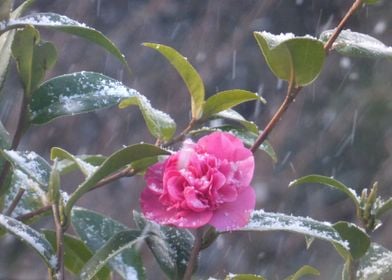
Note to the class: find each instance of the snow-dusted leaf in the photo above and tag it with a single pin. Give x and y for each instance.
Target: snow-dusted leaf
(116, 161)
(352, 43)
(31, 237)
(83, 92)
(234, 116)
(357, 239)
(384, 207)
(376, 264)
(264, 221)
(33, 198)
(33, 165)
(65, 24)
(188, 73)
(86, 168)
(160, 124)
(299, 59)
(119, 242)
(95, 230)
(233, 276)
(171, 246)
(76, 255)
(66, 166)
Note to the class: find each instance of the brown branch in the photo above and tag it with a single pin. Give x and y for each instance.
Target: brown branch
(355, 6)
(15, 202)
(37, 212)
(292, 91)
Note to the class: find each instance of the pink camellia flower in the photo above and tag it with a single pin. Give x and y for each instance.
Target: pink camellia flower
(207, 182)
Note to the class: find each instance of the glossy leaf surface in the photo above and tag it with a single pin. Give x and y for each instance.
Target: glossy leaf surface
(356, 44)
(76, 255)
(376, 264)
(226, 99)
(31, 237)
(297, 59)
(328, 181)
(95, 230)
(188, 73)
(171, 246)
(65, 24)
(113, 163)
(120, 241)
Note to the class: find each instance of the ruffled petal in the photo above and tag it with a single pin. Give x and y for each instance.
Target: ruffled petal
(235, 214)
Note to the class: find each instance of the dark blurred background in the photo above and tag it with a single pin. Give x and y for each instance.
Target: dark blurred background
(339, 126)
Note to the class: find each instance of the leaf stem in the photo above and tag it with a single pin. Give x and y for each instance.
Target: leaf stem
(15, 202)
(194, 254)
(37, 212)
(59, 242)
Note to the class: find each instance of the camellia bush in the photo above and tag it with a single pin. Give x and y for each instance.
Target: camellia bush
(193, 194)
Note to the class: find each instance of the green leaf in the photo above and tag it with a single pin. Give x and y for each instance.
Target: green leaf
(54, 194)
(376, 264)
(33, 57)
(357, 239)
(303, 271)
(330, 182)
(33, 165)
(118, 243)
(188, 73)
(31, 237)
(234, 116)
(160, 124)
(86, 168)
(88, 91)
(247, 137)
(95, 230)
(356, 44)
(6, 40)
(263, 221)
(244, 277)
(76, 255)
(65, 24)
(34, 196)
(226, 99)
(113, 163)
(66, 166)
(170, 246)
(292, 58)
(385, 207)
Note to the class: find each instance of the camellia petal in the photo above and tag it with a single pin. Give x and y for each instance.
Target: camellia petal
(233, 215)
(204, 183)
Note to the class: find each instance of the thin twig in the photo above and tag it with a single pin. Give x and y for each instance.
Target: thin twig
(182, 135)
(32, 214)
(355, 6)
(194, 254)
(15, 202)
